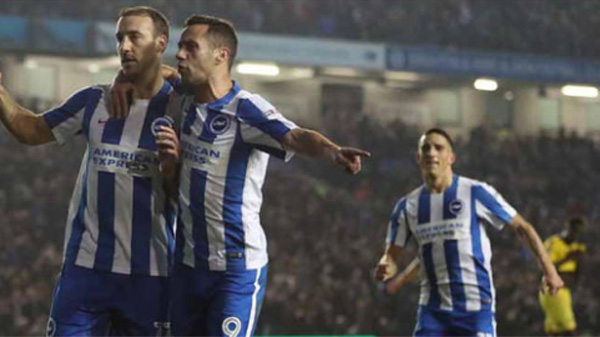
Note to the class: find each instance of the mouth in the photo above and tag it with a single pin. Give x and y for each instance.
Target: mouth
(128, 62)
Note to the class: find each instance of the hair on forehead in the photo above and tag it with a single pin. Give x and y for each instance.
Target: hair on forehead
(440, 132)
(160, 21)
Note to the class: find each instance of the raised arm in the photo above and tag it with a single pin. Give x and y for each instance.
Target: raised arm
(552, 281)
(314, 144)
(26, 126)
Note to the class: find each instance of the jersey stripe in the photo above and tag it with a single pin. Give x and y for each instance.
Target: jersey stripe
(235, 244)
(199, 230)
(256, 118)
(92, 103)
(106, 221)
(73, 106)
(483, 279)
(77, 226)
(189, 120)
(487, 200)
(141, 225)
(451, 250)
(156, 109)
(434, 295)
(395, 221)
(113, 130)
(424, 207)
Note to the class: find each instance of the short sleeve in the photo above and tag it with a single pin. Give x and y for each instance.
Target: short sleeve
(398, 230)
(264, 127)
(491, 206)
(66, 120)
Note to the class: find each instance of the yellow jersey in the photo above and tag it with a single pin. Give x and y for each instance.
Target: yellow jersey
(559, 250)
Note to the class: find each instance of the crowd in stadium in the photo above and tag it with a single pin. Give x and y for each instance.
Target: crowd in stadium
(326, 230)
(515, 26)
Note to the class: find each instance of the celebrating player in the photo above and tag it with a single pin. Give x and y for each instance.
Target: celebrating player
(227, 135)
(119, 229)
(446, 217)
(566, 251)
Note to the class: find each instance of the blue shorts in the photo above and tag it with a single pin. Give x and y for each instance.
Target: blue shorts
(88, 302)
(216, 303)
(436, 322)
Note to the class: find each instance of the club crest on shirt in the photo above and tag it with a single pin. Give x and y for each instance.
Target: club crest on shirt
(456, 206)
(51, 327)
(165, 121)
(220, 124)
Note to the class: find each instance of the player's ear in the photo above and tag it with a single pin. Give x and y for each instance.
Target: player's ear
(222, 55)
(452, 157)
(162, 43)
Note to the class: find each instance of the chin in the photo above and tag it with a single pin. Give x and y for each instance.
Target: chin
(130, 72)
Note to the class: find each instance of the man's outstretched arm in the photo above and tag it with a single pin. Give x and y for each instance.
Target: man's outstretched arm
(314, 144)
(27, 127)
(552, 281)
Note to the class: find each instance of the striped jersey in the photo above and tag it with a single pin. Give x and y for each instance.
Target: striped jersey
(455, 252)
(119, 218)
(225, 148)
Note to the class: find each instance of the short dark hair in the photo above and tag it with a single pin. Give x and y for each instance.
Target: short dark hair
(442, 133)
(221, 33)
(577, 221)
(161, 23)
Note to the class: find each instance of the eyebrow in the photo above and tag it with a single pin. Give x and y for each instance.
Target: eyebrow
(127, 32)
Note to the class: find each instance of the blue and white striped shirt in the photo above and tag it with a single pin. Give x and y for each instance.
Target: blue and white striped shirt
(225, 151)
(119, 217)
(455, 251)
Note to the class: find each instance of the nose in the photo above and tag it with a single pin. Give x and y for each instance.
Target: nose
(180, 56)
(125, 46)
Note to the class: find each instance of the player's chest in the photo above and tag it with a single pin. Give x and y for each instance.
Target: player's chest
(438, 221)
(209, 138)
(126, 145)
(201, 124)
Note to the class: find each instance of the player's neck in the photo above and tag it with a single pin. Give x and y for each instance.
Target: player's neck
(215, 88)
(438, 183)
(148, 84)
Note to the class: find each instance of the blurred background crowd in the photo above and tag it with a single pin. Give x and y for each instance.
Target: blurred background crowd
(327, 230)
(508, 25)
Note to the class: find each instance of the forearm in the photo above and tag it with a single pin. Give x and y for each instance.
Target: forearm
(311, 143)
(412, 270)
(533, 241)
(24, 125)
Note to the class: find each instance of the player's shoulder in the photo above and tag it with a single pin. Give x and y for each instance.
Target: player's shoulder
(252, 101)
(472, 182)
(553, 238)
(410, 198)
(476, 184)
(83, 97)
(92, 90)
